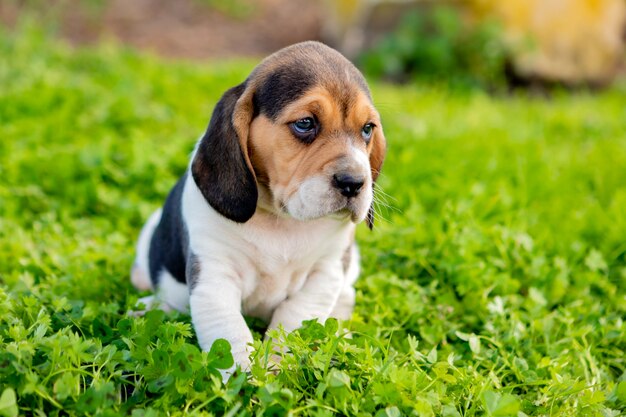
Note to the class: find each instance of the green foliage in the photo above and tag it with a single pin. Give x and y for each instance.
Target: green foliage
(436, 45)
(495, 285)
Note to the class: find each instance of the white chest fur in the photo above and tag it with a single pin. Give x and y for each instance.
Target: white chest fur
(268, 258)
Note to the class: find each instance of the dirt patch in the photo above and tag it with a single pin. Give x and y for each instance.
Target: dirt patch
(180, 29)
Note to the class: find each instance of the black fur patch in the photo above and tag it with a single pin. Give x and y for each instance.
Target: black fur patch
(169, 242)
(281, 87)
(219, 168)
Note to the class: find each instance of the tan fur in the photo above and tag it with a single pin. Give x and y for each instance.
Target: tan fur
(377, 146)
(338, 99)
(242, 116)
(281, 162)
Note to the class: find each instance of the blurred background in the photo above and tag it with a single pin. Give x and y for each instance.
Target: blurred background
(486, 43)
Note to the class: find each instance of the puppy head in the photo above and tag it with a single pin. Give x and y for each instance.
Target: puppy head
(300, 137)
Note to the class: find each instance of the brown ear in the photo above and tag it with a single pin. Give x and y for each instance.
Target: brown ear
(221, 167)
(377, 156)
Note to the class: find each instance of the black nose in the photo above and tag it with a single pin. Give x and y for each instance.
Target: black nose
(348, 185)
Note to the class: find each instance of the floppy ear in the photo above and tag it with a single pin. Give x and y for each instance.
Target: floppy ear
(377, 156)
(221, 166)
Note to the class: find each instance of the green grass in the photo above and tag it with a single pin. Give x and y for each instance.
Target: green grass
(495, 286)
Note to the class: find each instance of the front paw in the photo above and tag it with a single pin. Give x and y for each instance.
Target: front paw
(242, 360)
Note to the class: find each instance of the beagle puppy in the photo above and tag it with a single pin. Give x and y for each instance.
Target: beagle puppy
(262, 223)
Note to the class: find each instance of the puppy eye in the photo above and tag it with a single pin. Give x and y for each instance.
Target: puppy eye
(305, 129)
(367, 130)
(305, 125)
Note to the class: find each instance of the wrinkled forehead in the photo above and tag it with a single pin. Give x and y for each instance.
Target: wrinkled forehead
(292, 72)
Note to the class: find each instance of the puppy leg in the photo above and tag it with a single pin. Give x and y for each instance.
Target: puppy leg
(316, 299)
(215, 303)
(170, 295)
(345, 304)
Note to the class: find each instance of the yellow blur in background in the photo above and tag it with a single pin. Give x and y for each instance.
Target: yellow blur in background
(570, 41)
(562, 40)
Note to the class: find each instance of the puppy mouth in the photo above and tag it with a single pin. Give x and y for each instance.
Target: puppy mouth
(347, 214)
(342, 209)
(343, 213)
(315, 199)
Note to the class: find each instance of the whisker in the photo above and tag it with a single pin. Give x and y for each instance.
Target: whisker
(382, 204)
(383, 193)
(382, 200)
